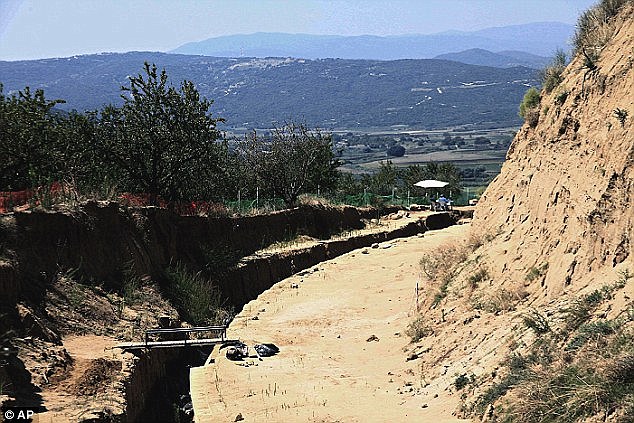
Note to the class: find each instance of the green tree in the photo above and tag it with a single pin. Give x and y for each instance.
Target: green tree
(529, 107)
(293, 161)
(29, 140)
(396, 150)
(387, 178)
(83, 165)
(349, 185)
(448, 172)
(162, 141)
(413, 174)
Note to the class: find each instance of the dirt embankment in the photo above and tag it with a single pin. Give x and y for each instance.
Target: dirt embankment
(101, 241)
(258, 272)
(565, 191)
(536, 321)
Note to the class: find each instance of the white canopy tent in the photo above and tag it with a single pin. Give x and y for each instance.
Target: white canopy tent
(431, 183)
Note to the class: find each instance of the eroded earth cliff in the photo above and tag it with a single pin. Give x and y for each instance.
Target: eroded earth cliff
(532, 319)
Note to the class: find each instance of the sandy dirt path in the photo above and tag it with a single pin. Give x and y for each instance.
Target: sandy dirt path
(341, 335)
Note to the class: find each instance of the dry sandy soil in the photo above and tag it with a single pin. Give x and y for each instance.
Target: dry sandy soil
(84, 382)
(342, 343)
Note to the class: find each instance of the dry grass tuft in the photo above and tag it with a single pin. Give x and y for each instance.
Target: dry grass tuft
(441, 266)
(575, 368)
(594, 26)
(314, 200)
(499, 301)
(418, 329)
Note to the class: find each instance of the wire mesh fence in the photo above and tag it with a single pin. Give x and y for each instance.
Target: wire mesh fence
(238, 205)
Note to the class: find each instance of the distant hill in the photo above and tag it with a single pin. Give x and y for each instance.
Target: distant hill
(503, 59)
(541, 38)
(330, 93)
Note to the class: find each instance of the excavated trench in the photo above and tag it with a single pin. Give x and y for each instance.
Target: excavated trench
(101, 242)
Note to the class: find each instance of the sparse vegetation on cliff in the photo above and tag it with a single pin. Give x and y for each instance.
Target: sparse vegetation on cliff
(575, 365)
(418, 329)
(569, 350)
(529, 107)
(594, 27)
(551, 75)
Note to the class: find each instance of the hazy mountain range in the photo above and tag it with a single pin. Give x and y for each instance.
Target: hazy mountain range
(541, 39)
(330, 93)
(502, 59)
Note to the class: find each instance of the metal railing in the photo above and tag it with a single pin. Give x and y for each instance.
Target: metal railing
(219, 331)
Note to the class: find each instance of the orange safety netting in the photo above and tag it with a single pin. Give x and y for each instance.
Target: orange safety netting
(25, 199)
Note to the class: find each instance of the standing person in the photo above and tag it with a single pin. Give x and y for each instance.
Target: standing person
(443, 202)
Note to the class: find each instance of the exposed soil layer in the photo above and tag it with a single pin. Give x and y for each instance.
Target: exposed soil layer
(565, 191)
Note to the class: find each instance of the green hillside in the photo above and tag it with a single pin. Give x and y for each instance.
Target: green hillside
(330, 93)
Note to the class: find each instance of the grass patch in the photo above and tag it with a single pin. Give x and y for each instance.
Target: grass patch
(443, 290)
(551, 75)
(219, 257)
(590, 331)
(476, 240)
(462, 381)
(478, 277)
(289, 240)
(441, 266)
(536, 321)
(131, 286)
(594, 382)
(584, 369)
(597, 379)
(418, 330)
(197, 300)
(581, 309)
(498, 301)
(529, 107)
(517, 369)
(594, 26)
(561, 96)
(536, 272)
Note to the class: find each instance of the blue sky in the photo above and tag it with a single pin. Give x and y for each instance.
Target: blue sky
(32, 29)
